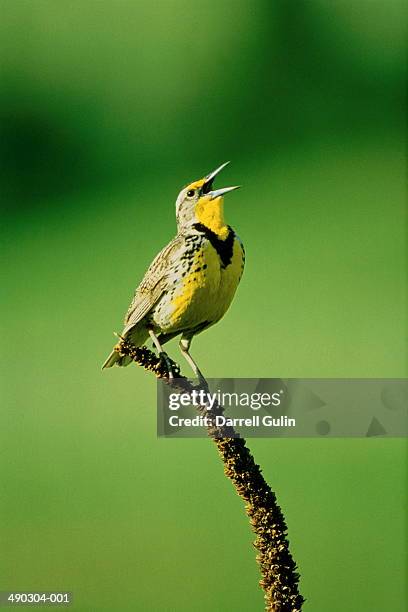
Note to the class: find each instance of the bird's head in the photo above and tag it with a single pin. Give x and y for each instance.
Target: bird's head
(200, 203)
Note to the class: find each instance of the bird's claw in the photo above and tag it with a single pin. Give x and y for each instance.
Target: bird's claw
(203, 384)
(170, 374)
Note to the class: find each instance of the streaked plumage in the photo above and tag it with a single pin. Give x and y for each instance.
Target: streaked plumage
(192, 281)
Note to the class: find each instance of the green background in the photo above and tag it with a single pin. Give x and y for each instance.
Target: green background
(107, 110)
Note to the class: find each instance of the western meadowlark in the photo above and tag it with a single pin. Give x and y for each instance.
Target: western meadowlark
(190, 284)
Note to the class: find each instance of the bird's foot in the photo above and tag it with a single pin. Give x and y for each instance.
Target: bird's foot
(164, 357)
(202, 383)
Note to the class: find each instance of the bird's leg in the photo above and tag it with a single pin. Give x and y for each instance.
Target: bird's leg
(184, 345)
(162, 354)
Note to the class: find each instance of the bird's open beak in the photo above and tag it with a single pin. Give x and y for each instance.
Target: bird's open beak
(220, 192)
(209, 179)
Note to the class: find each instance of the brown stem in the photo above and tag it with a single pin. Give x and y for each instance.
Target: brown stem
(278, 569)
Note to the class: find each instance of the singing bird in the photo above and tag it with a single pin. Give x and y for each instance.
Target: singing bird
(190, 284)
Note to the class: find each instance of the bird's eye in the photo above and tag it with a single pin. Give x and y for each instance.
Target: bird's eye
(190, 193)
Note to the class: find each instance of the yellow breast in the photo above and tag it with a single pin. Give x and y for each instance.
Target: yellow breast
(208, 288)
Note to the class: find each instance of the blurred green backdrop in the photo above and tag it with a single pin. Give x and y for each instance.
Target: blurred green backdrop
(107, 109)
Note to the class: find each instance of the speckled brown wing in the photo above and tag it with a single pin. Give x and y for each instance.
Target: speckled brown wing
(154, 283)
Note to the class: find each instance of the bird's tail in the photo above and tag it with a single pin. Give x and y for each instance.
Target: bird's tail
(137, 335)
(116, 358)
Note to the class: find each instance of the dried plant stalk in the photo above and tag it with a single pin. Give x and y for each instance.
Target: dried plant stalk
(279, 573)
